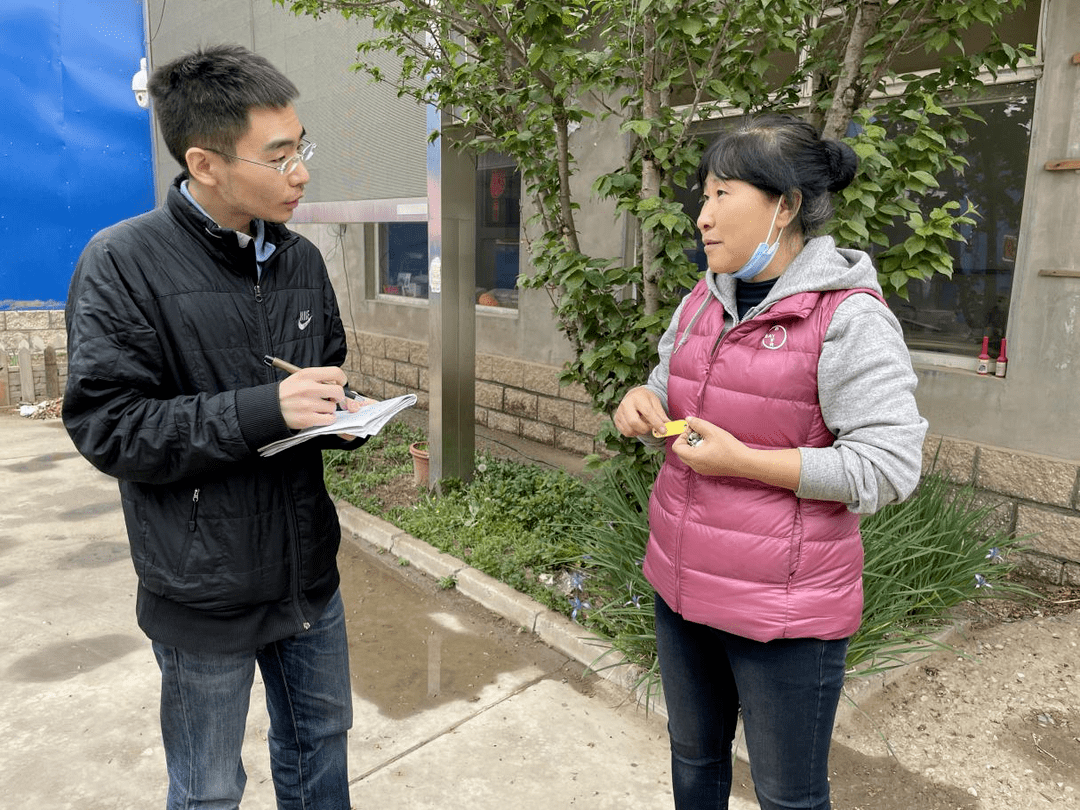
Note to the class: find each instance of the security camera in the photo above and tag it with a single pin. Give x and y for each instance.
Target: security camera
(138, 85)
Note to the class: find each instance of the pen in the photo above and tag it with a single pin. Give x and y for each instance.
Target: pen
(289, 368)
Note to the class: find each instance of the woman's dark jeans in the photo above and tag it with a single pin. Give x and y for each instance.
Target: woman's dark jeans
(788, 691)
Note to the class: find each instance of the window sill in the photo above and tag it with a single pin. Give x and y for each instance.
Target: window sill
(405, 301)
(402, 300)
(951, 363)
(497, 312)
(940, 360)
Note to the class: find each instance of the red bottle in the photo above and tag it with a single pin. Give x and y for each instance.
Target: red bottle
(984, 358)
(1002, 361)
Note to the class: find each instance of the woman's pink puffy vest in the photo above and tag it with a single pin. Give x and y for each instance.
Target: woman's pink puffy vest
(736, 554)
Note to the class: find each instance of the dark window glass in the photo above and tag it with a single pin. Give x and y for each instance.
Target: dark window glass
(953, 315)
(498, 224)
(403, 251)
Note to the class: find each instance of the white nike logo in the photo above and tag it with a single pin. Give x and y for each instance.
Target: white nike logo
(305, 320)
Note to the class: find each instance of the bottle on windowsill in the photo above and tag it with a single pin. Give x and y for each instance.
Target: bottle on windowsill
(1002, 361)
(984, 358)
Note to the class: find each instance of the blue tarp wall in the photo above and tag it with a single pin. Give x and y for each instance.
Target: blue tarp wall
(75, 149)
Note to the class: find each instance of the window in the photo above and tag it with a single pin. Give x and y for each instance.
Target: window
(402, 251)
(953, 315)
(498, 222)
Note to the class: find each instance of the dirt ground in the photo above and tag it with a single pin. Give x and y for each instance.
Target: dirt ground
(994, 725)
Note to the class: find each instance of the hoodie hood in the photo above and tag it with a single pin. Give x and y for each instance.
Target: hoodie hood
(820, 266)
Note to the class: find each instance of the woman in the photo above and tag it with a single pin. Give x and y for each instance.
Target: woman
(798, 393)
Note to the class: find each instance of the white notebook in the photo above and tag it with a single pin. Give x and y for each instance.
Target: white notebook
(367, 421)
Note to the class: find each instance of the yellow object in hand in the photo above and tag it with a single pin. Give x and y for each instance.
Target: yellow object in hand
(671, 429)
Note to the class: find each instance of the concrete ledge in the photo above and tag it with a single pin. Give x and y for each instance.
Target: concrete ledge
(499, 598)
(364, 525)
(425, 557)
(570, 639)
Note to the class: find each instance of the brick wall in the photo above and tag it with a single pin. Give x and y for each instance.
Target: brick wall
(1035, 497)
(33, 355)
(512, 396)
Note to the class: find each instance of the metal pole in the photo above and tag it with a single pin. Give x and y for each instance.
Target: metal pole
(451, 308)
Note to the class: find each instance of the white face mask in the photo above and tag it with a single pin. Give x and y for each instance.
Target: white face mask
(763, 253)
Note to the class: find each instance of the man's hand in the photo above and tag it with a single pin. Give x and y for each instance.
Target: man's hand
(311, 395)
(639, 413)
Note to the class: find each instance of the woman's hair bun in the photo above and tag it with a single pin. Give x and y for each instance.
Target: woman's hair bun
(843, 162)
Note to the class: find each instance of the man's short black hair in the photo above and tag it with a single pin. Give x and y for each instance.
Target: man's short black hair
(203, 98)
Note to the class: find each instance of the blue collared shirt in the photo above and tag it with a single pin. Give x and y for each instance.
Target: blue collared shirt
(263, 249)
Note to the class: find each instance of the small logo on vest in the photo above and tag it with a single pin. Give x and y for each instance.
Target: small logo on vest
(305, 320)
(775, 338)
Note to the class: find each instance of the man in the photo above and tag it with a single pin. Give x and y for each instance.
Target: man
(170, 315)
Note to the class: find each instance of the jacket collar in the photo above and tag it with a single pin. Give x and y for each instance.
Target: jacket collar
(216, 239)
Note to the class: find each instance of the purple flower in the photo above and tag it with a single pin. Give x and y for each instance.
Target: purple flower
(577, 581)
(577, 605)
(980, 582)
(994, 555)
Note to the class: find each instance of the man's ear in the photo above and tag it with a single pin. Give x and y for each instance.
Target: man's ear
(202, 165)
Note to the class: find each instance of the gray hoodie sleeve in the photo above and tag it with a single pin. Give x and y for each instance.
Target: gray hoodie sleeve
(866, 388)
(658, 377)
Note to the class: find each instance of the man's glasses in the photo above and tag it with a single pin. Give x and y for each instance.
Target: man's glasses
(286, 166)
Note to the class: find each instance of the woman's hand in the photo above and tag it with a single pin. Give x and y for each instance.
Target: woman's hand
(720, 453)
(639, 413)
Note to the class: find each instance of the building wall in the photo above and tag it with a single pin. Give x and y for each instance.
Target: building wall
(33, 355)
(370, 143)
(1034, 409)
(1033, 497)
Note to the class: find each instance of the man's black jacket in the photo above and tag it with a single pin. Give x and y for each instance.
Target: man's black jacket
(168, 324)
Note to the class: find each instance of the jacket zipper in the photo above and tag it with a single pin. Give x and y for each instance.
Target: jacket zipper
(294, 529)
(264, 328)
(194, 509)
(294, 537)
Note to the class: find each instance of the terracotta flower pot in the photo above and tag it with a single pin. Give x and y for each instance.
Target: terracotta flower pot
(420, 460)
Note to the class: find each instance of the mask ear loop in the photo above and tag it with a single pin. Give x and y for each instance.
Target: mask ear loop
(776, 213)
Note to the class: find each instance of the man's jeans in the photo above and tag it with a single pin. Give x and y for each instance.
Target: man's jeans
(788, 691)
(204, 707)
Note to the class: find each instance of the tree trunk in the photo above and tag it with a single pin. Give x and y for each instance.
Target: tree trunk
(849, 89)
(650, 172)
(562, 159)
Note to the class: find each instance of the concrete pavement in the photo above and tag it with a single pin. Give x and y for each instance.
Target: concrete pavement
(437, 725)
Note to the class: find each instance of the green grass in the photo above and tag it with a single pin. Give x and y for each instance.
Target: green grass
(509, 522)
